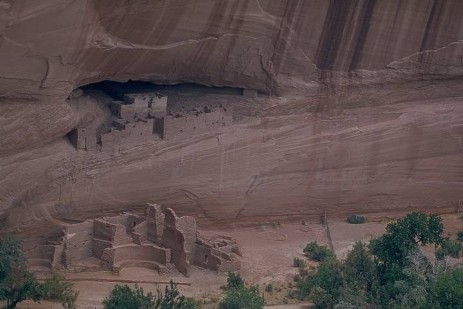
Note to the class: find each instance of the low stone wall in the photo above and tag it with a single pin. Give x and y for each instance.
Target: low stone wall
(139, 233)
(104, 230)
(132, 133)
(213, 259)
(115, 233)
(185, 126)
(143, 264)
(146, 252)
(203, 258)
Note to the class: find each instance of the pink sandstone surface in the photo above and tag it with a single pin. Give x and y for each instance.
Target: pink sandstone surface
(362, 108)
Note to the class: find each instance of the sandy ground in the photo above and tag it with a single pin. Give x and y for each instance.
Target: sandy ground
(268, 253)
(344, 235)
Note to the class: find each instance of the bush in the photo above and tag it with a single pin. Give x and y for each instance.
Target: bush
(321, 299)
(317, 252)
(354, 219)
(449, 247)
(234, 281)
(448, 288)
(56, 288)
(242, 298)
(299, 263)
(460, 236)
(324, 286)
(123, 297)
(269, 288)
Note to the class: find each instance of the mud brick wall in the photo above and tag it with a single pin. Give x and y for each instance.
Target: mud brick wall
(192, 124)
(78, 243)
(204, 258)
(155, 223)
(141, 253)
(178, 238)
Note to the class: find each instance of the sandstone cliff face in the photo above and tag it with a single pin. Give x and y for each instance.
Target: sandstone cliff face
(370, 116)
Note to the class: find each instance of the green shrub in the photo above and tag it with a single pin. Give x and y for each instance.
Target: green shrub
(324, 286)
(56, 288)
(354, 219)
(460, 236)
(299, 263)
(317, 252)
(123, 297)
(449, 247)
(242, 298)
(269, 288)
(359, 267)
(448, 288)
(234, 281)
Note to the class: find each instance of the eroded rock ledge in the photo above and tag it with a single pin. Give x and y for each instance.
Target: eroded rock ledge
(368, 118)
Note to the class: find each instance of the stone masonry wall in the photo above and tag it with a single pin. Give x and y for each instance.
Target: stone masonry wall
(78, 242)
(185, 126)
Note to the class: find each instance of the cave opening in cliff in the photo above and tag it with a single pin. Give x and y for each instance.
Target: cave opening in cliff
(122, 113)
(117, 90)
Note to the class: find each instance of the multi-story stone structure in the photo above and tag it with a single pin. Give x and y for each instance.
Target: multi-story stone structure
(158, 240)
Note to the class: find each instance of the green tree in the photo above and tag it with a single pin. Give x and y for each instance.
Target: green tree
(360, 270)
(10, 255)
(172, 299)
(19, 285)
(242, 298)
(124, 297)
(316, 252)
(56, 288)
(448, 288)
(393, 274)
(325, 285)
(16, 282)
(404, 236)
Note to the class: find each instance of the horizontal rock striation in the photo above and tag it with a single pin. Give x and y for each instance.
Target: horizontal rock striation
(369, 116)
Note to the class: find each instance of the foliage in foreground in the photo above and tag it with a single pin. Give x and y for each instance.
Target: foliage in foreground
(316, 252)
(391, 272)
(17, 284)
(299, 263)
(124, 297)
(234, 280)
(238, 296)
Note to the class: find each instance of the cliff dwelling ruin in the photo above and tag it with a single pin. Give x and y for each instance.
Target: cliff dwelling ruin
(141, 114)
(158, 240)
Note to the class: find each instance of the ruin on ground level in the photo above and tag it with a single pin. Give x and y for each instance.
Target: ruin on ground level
(157, 240)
